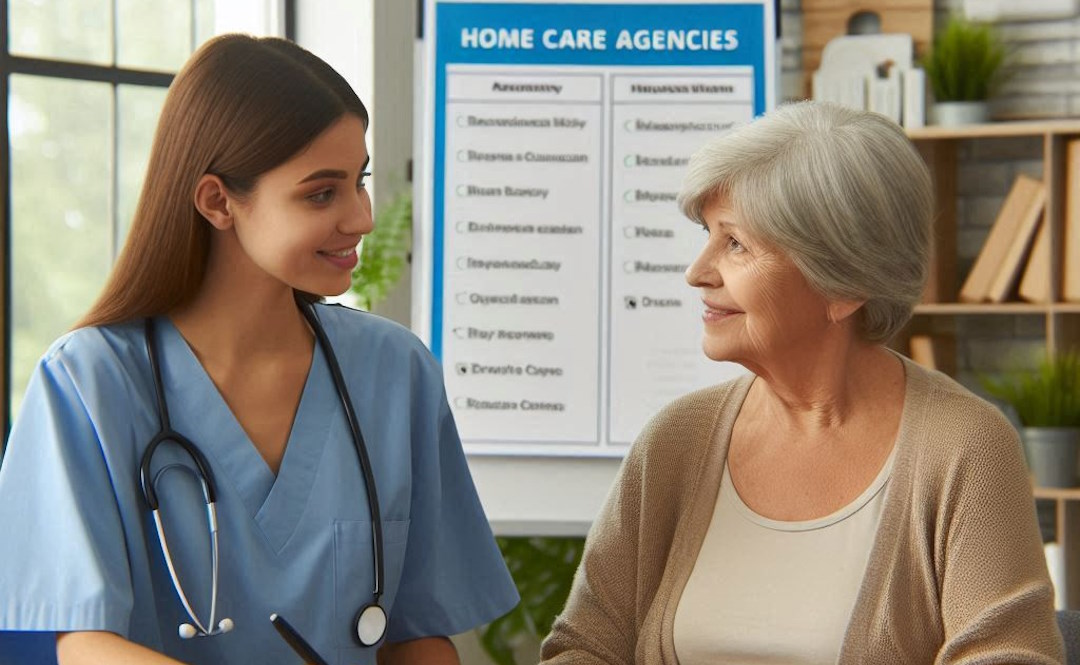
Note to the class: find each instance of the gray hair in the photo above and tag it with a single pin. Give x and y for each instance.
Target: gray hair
(842, 192)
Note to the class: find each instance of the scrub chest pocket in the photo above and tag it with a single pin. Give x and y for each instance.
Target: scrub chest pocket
(353, 572)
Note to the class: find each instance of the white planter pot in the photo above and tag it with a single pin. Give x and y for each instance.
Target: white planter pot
(1053, 454)
(951, 114)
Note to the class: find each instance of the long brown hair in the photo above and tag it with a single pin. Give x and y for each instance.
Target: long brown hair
(239, 107)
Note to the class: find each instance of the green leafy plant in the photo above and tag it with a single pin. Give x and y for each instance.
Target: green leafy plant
(384, 252)
(543, 570)
(1047, 396)
(965, 62)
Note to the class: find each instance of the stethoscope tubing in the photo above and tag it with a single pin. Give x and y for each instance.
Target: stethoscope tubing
(358, 443)
(212, 517)
(206, 479)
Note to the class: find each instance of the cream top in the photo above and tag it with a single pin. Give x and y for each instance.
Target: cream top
(768, 591)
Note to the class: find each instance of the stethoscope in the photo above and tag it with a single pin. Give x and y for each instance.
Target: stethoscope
(369, 624)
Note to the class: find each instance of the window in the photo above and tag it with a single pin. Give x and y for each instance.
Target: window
(82, 85)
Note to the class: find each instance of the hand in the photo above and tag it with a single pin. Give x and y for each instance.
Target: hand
(426, 651)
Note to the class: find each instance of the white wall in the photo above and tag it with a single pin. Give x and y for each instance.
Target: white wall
(341, 32)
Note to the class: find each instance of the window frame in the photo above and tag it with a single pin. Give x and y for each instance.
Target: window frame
(73, 71)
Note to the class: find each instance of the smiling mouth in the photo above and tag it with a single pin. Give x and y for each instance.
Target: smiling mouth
(341, 253)
(716, 309)
(714, 314)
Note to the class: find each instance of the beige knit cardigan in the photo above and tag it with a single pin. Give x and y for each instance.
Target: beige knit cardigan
(956, 573)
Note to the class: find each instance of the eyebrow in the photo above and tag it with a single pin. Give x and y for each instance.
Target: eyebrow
(325, 173)
(720, 224)
(336, 174)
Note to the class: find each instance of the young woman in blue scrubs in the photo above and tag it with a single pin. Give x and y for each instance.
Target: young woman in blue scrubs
(253, 205)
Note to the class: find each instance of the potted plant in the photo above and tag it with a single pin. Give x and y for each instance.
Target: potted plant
(964, 68)
(384, 252)
(543, 570)
(1047, 402)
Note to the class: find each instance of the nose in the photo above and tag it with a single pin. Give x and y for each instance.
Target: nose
(703, 271)
(358, 219)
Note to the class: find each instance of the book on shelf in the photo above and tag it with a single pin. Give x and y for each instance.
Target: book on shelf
(1013, 262)
(1070, 287)
(883, 95)
(913, 97)
(1035, 284)
(921, 350)
(998, 264)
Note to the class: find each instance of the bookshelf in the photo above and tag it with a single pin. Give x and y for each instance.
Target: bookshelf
(1066, 502)
(940, 311)
(936, 316)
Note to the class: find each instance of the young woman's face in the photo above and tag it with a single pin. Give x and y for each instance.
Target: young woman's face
(304, 219)
(758, 307)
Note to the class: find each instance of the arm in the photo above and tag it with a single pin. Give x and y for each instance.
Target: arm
(68, 569)
(598, 623)
(102, 648)
(426, 651)
(453, 577)
(997, 602)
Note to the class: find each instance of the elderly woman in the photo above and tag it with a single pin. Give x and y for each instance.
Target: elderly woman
(838, 503)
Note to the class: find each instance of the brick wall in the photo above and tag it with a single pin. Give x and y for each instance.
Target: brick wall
(1044, 82)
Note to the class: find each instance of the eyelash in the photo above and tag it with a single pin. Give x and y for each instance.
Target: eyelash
(324, 196)
(733, 243)
(321, 197)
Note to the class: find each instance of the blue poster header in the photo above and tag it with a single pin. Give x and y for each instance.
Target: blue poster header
(601, 34)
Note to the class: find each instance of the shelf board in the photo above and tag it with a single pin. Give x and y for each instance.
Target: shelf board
(990, 129)
(953, 308)
(1065, 493)
(982, 308)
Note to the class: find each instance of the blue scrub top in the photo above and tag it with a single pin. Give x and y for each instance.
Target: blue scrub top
(80, 551)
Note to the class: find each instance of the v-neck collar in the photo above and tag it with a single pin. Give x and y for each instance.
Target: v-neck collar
(199, 411)
(691, 528)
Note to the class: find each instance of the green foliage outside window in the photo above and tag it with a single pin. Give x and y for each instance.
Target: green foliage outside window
(78, 150)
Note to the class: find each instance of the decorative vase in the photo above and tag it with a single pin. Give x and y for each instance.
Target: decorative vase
(951, 114)
(1053, 455)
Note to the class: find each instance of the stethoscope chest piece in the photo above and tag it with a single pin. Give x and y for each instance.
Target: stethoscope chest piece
(370, 625)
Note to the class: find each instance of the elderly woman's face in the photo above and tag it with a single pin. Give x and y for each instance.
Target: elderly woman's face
(759, 308)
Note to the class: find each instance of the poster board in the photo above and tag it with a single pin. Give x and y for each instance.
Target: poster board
(549, 254)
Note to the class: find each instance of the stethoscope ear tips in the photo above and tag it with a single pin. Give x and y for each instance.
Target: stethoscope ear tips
(187, 631)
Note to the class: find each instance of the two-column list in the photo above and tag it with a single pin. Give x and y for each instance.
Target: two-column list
(522, 252)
